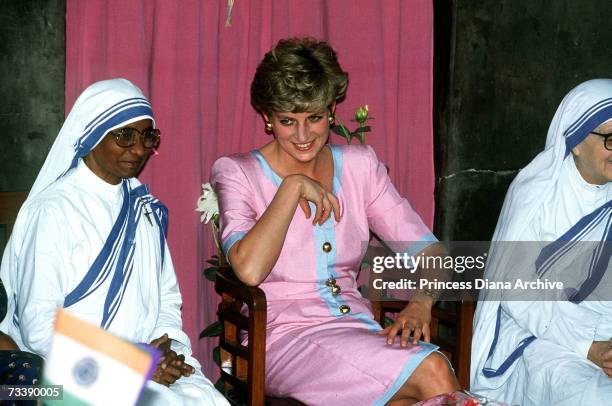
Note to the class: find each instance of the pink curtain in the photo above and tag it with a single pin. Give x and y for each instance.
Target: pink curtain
(197, 73)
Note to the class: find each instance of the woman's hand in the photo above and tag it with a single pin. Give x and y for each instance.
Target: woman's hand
(413, 321)
(313, 191)
(600, 354)
(254, 256)
(172, 366)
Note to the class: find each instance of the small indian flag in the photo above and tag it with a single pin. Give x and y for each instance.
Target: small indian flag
(93, 366)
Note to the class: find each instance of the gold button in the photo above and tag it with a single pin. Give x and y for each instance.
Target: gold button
(335, 290)
(327, 247)
(330, 282)
(344, 309)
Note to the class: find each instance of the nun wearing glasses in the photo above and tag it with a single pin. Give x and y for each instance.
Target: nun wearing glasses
(91, 239)
(555, 351)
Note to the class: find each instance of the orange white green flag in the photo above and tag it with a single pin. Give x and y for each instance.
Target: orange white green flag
(94, 366)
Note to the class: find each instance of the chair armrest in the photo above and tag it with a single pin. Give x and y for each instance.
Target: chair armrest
(227, 283)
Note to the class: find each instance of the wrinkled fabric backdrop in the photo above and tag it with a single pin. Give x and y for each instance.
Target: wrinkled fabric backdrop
(197, 71)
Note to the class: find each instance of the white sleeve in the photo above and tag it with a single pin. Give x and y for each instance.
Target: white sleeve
(40, 277)
(564, 323)
(567, 324)
(169, 320)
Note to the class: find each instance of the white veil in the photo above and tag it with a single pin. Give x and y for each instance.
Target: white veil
(102, 107)
(582, 110)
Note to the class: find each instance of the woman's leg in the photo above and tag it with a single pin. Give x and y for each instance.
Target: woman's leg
(432, 377)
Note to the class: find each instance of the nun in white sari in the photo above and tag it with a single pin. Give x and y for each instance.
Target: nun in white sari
(554, 352)
(91, 239)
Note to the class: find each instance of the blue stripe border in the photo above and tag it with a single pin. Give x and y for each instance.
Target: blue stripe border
(407, 371)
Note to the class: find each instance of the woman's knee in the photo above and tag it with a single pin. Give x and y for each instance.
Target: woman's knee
(436, 371)
(432, 377)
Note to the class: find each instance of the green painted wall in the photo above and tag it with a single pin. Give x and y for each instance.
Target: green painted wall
(32, 60)
(511, 62)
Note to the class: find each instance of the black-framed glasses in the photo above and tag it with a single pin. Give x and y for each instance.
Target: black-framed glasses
(126, 137)
(607, 139)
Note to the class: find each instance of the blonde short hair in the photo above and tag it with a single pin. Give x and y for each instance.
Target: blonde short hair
(298, 75)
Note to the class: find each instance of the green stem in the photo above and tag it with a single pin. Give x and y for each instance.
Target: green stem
(361, 134)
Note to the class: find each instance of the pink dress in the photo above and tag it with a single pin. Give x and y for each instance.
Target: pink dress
(321, 348)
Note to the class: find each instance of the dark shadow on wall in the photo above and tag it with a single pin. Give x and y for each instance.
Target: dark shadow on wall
(504, 66)
(32, 61)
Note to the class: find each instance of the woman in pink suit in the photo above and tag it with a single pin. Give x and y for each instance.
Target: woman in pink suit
(323, 345)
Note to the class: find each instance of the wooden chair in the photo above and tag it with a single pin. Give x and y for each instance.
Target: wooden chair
(243, 367)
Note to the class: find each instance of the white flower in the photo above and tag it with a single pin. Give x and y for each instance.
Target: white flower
(208, 204)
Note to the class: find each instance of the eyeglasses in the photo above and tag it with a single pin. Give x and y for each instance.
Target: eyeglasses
(607, 138)
(126, 137)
